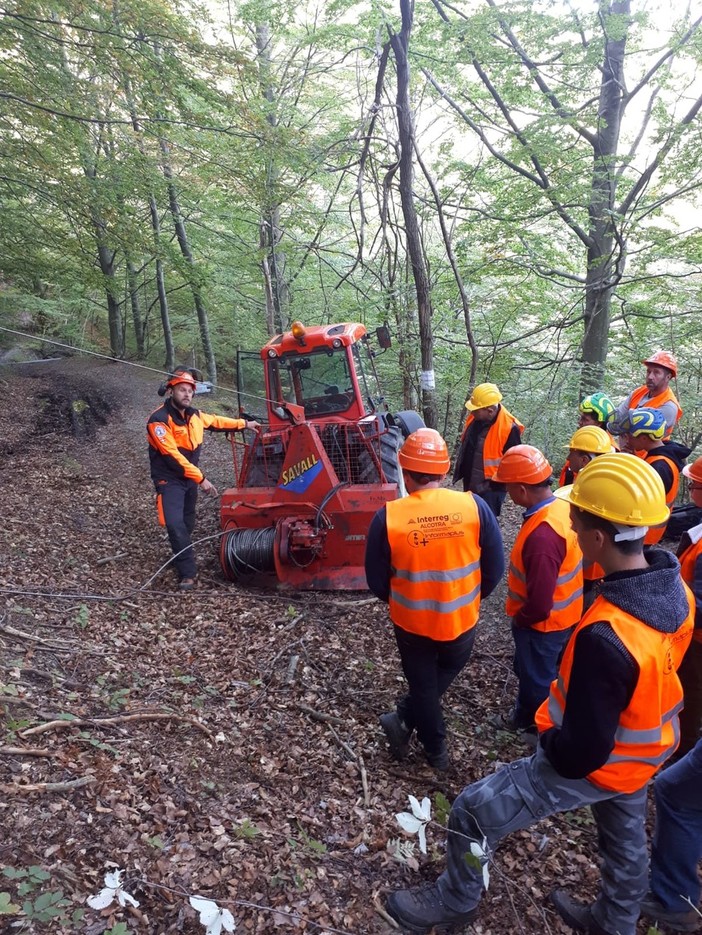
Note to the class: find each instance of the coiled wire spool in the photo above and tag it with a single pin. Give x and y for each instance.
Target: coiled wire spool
(247, 552)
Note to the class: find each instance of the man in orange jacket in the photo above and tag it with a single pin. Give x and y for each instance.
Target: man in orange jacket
(544, 585)
(656, 393)
(609, 723)
(175, 432)
(432, 557)
(489, 431)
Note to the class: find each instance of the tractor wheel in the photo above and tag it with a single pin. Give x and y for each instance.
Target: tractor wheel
(407, 421)
(366, 471)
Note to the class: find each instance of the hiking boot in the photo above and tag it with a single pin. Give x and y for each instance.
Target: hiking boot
(576, 915)
(422, 910)
(440, 759)
(397, 734)
(186, 584)
(677, 921)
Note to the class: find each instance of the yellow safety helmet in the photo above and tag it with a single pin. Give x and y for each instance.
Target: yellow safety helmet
(485, 394)
(621, 488)
(593, 439)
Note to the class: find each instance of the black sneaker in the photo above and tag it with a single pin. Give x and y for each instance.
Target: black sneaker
(397, 734)
(422, 910)
(186, 584)
(677, 921)
(576, 915)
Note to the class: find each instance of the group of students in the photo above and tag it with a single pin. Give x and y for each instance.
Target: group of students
(608, 666)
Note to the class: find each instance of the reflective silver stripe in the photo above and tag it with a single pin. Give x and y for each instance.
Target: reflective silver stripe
(452, 574)
(629, 735)
(517, 574)
(563, 579)
(555, 711)
(439, 607)
(512, 595)
(560, 605)
(652, 760)
(491, 462)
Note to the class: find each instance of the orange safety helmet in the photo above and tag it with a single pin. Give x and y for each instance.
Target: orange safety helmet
(663, 359)
(694, 470)
(181, 376)
(523, 464)
(425, 452)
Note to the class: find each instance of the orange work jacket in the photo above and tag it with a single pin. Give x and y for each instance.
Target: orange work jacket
(495, 439)
(667, 396)
(648, 731)
(434, 538)
(568, 596)
(655, 534)
(687, 560)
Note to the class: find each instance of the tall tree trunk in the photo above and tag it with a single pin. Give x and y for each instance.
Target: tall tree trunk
(603, 268)
(135, 301)
(184, 245)
(169, 362)
(273, 262)
(400, 46)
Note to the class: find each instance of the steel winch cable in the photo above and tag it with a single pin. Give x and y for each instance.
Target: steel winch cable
(249, 551)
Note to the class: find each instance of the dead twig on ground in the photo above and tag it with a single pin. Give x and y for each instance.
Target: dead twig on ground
(16, 788)
(319, 715)
(63, 723)
(24, 751)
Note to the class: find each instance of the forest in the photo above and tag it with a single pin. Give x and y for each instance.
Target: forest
(511, 185)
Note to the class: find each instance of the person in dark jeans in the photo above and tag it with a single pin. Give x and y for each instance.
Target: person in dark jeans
(674, 891)
(432, 557)
(489, 431)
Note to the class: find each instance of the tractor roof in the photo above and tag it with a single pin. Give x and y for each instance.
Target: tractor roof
(315, 336)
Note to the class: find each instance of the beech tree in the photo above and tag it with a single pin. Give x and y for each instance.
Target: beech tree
(547, 100)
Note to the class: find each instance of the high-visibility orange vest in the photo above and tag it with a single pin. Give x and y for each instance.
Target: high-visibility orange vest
(568, 596)
(497, 435)
(667, 396)
(688, 559)
(655, 534)
(434, 538)
(648, 731)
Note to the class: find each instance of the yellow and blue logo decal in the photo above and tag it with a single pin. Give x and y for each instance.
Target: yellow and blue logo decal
(298, 477)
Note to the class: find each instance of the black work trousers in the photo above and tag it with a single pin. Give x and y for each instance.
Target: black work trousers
(429, 667)
(178, 500)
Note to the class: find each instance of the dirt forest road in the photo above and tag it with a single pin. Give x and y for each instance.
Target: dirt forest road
(223, 743)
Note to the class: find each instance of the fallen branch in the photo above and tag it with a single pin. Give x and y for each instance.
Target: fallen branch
(292, 666)
(111, 558)
(15, 788)
(358, 760)
(25, 751)
(20, 634)
(383, 914)
(63, 723)
(320, 716)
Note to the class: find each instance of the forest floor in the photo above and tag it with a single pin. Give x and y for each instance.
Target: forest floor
(173, 737)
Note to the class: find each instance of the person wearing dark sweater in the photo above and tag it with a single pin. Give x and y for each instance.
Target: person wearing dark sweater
(641, 432)
(489, 431)
(544, 586)
(432, 557)
(609, 723)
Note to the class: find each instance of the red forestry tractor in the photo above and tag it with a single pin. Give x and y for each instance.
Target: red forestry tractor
(308, 485)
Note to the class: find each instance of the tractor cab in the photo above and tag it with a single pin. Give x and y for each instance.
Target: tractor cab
(308, 484)
(326, 370)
